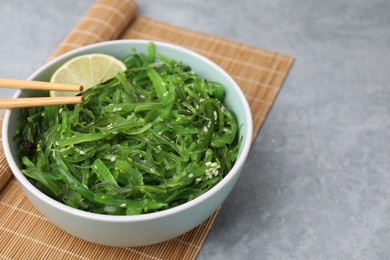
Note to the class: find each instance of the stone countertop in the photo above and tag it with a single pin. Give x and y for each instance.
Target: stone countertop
(317, 182)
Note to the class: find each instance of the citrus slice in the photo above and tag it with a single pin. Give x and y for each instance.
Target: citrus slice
(86, 70)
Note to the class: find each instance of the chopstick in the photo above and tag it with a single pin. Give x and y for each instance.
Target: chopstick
(38, 85)
(38, 101)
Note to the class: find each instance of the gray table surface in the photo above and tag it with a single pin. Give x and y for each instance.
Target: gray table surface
(317, 181)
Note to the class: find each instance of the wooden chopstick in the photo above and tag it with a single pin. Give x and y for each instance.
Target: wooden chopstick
(39, 101)
(38, 85)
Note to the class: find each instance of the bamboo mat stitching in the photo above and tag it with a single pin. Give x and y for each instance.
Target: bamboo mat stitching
(94, 35)
(101, 21)
(107, 7)
(251, 81)
(140, 253)
(74, 45)
(33, 214)
(186, 243)
(41, 243)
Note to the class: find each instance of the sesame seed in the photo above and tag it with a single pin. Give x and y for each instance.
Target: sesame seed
(81, 152)
(190, 175)
(123, 205)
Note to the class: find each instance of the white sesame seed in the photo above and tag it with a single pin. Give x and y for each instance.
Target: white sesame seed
(43, 114)
(198, 179)
(81, 152)
(123, 205)
(190, 175)
(142, 96)
(60, 111)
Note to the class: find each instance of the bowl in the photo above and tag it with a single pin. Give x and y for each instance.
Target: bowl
(146, 229)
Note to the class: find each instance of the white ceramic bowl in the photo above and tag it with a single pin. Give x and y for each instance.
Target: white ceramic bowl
(148, 228)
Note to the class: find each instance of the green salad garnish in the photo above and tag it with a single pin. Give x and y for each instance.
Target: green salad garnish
(154, 137)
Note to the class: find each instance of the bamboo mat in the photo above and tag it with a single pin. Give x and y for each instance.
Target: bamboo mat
(25, 233)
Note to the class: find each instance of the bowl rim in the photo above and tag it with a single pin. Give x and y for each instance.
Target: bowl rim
(148, 216)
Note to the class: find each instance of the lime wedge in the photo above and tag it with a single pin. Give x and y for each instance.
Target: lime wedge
(87, 70)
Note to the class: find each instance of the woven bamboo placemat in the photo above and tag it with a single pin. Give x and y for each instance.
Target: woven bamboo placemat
(25, 233)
